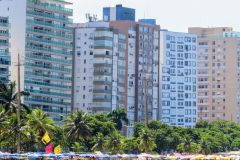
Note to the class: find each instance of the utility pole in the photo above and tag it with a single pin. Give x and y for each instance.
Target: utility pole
(19, 106)
(146, 99)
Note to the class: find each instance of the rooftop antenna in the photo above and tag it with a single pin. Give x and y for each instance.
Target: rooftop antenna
(91, 18)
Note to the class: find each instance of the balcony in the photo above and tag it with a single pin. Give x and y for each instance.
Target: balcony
(4, 44)
(64, 36)
(103, 73)
(58, 44)
(102, 82)
(50, 16)
(49, 25)
(4, 54)
(102, 65)
(109, 90)
(47, 50)
(48, 84)
(102, 99)
(47, 101)
(47, 93)
(48, 67)
(50, 59)
(4, 35)
(55, 111)
(59, 78)
(46, 6)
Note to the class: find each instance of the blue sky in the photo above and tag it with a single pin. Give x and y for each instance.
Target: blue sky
(175, 15)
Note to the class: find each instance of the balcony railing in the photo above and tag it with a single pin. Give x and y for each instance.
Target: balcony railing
(67, 20)
(47, 101)
(65, 36)
(45, 24)
(60, 44)
(51, 7)
(47, 93)
(57, 52)
(48, 84)
(48, 67)
(47, 76)
(48, 58)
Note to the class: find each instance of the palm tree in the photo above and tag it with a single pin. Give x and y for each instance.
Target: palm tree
(118, 116)
(76, 126)
(3, 120)
(9, 98)
(147, 142)
(40, 122)
(99, 142)
(114, 142)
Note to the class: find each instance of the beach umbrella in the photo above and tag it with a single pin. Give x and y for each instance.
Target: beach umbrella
(198, 157)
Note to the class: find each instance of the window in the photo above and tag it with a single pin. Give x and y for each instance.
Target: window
(84, 61)
(84, 87)
(84, 70)
(84, 96)
(91, 52)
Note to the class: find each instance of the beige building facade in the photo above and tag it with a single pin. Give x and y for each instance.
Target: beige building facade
(218, 73)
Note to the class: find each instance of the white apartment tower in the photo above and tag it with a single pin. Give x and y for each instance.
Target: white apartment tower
(178, 78)
(99, 68)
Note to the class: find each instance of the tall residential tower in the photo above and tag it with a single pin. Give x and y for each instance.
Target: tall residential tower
(142, 63)
(218, 73)
(40, 34)
(178, 78)
(5, 60)
(99, 68)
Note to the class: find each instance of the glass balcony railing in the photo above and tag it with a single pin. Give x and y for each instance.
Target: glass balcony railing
(48, 67)
(4, 24)
(57, 52)
(5, 62)
(4, 34)
(47, 101)
(48, 84)
(102, 100)
(55, 110)
(47, 58)
(48, 76)
(4, 54)
(65, 19)
(51, 7)
(4, 44)
(65, 36)
(60, 44)
(102, 65)
(48, 93)
(54, 26)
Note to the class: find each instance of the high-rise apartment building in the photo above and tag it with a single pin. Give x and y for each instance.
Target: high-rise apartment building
(99, 68)
(5, 60)
(178, 78)
(118, 13)
(218, 73)
(142, 63)
(40, 34)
